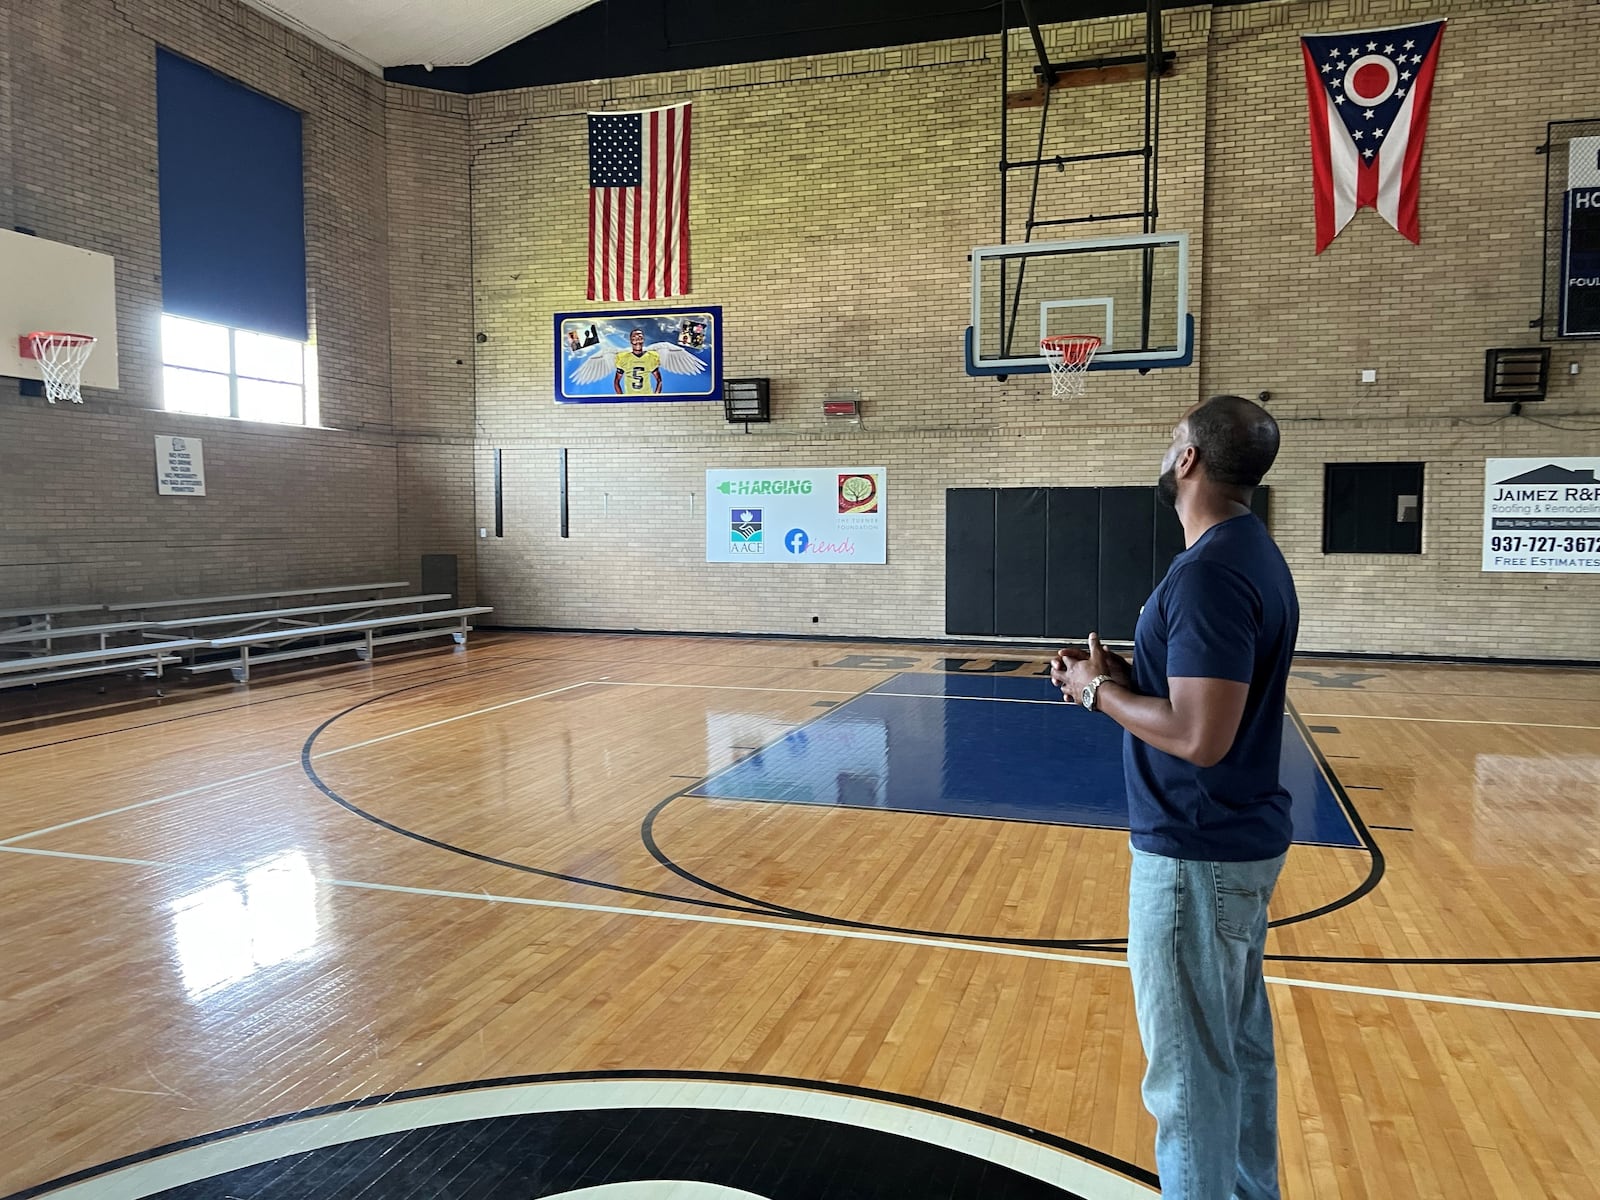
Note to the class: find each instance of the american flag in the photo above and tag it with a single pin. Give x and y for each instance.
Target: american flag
(639, 204)
(1368, 97)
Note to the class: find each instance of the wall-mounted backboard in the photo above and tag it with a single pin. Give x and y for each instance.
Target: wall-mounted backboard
(47, 285)
(1131, 291)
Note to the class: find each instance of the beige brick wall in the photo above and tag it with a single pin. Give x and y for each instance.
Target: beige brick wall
(1304, 326)
(354, 502)
(834, 203)
(431, 346)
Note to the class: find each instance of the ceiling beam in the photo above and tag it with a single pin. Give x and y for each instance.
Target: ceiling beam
(1091, 74)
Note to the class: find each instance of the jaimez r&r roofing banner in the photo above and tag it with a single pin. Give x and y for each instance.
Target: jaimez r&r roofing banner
(1542, 514)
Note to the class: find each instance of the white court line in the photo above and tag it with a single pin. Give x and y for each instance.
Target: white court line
(222, 783)
(1438, 721)
(726, 687)
(223, 1153)
(477, 712)
(857, 935)
(111, 812)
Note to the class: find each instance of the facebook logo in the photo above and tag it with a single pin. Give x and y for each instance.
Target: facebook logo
(796, 541)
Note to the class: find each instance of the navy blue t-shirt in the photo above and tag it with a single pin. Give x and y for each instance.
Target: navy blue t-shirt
(1226, 610)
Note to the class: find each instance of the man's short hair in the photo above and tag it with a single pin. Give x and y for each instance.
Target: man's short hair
(1237, 440)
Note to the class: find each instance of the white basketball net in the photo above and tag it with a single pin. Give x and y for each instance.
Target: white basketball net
(61, 357)
(1069, 359)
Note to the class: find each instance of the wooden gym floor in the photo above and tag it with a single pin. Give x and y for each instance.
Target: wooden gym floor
(503, 892)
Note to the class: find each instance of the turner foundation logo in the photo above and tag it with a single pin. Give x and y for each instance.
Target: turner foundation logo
(745, 534)
(858, 494)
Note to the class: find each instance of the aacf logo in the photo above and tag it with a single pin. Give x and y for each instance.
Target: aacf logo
(858, 494)
(745, 537)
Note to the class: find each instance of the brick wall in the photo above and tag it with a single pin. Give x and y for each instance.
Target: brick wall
(431, 346)
(284, 506)
(1304, 326)
(834, 203)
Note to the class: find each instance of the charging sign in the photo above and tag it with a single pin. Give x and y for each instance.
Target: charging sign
(1580, 241)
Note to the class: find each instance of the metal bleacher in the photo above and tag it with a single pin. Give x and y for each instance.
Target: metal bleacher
(211, 633)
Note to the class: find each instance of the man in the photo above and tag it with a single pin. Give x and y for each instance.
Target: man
(638, 369)
(1203, 707)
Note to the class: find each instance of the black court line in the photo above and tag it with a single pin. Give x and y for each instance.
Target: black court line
(1362, 787)
(1324, 656)
(1323, 728)
(1065, 1145)
(1397, 828)
(762, 908)
(306, 755)
(1378, 865)
(1109, 944)
(773, 908)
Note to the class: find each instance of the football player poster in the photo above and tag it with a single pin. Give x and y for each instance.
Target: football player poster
(640, 357)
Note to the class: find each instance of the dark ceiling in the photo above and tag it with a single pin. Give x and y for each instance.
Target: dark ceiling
(615, 38)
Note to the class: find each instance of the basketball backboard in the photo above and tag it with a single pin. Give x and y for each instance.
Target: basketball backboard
(47, 285)
(1131, 291)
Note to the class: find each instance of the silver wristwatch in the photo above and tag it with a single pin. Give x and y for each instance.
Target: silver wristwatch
(1091, 690)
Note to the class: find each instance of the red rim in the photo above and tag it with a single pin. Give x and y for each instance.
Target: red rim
(28, 343)
(1073, 350)
(71, 339)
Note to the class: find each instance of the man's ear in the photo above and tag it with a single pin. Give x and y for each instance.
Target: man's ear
(1187, 462)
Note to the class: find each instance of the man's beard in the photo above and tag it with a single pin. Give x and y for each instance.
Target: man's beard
(1167, 487)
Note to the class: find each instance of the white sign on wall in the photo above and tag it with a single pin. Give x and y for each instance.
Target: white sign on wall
(1542, 514)
(817, 515)
(180, 467)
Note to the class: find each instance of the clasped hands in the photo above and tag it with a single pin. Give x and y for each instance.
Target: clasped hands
(1072, 670)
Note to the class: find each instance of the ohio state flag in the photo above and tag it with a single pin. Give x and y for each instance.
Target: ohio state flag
(1368, 97)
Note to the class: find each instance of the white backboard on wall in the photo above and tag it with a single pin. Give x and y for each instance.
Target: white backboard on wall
(47, 285)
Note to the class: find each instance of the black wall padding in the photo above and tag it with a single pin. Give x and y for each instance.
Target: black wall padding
(1019, 557)
(1127, 546)
(969, 515)
(1072, 563)
(1057, 562)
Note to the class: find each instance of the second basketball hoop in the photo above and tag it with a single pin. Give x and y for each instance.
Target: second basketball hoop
(61, 357)
(1069, 359)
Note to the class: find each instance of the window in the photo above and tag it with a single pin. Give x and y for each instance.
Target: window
(214, 371)
(232, 184)
(1372, 508)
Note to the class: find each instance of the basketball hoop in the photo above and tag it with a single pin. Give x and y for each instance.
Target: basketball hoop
(60, 357)
(1069, 359)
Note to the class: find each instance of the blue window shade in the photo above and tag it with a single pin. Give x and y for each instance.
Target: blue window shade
(233, 241)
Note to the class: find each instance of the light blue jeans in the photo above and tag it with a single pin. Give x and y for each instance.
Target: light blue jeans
(1196, 932)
